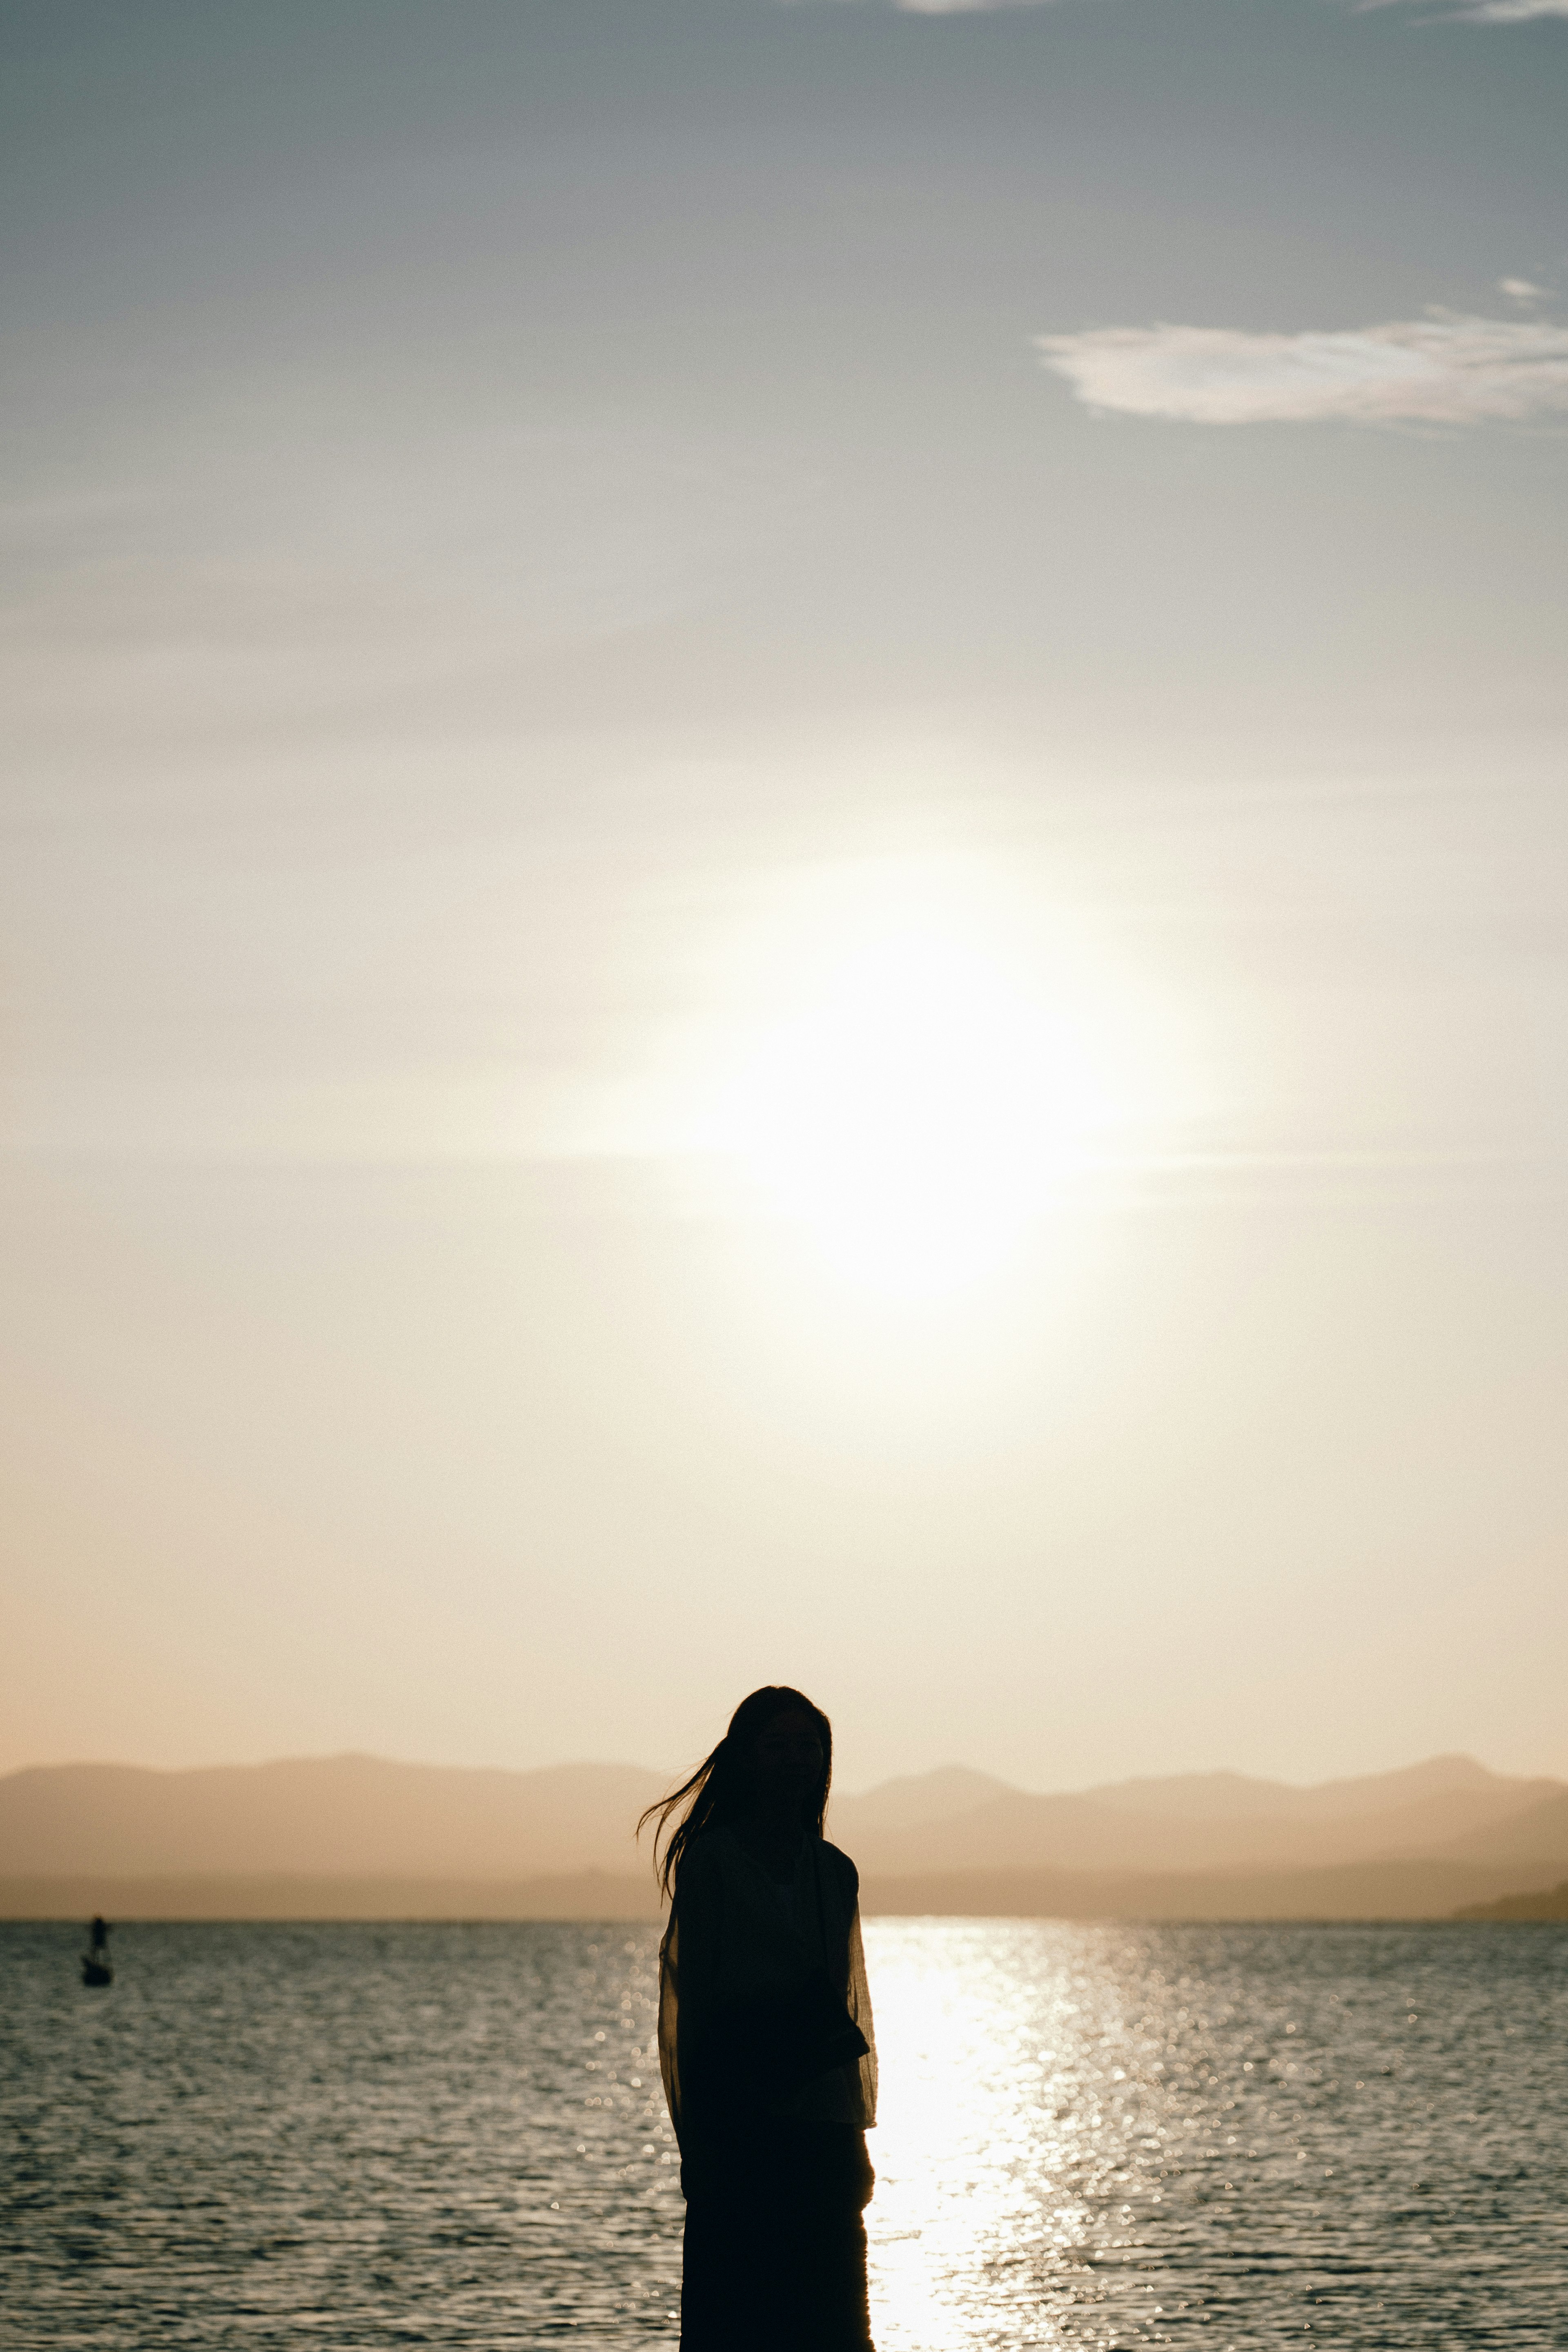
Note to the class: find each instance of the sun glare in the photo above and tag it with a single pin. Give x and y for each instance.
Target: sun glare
(938, 1074)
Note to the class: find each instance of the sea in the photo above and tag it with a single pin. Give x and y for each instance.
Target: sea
(1090, 2136)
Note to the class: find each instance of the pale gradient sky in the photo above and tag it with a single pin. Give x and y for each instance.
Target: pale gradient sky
(542, 545)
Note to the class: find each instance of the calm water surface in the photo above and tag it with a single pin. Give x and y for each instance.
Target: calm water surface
(1092, 2136)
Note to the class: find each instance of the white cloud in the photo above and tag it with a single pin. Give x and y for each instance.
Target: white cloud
(1472, 12)
(1442, 370)
(1467, 12)
(961, 7)
(1520, 289)
(1507, 12)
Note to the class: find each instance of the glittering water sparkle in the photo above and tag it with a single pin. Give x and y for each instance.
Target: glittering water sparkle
(1231, 2136)
(1099, 2136)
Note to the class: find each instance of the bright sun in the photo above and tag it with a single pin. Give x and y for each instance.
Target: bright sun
(936, 1078)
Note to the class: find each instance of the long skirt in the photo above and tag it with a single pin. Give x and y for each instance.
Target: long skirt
(775, 2245)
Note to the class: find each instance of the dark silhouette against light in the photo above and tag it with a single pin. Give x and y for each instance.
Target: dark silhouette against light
(764, 2040)
(97, 1968)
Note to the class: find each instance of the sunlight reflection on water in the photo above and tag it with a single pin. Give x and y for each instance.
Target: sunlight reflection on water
(1238, 2136)
(1092, 2137)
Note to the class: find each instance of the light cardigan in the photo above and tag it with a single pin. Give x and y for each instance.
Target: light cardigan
(736, 1937)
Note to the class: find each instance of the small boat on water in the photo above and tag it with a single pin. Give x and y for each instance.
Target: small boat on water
(97, 1968)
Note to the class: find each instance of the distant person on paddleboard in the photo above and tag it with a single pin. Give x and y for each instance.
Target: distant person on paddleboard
(764, 2040)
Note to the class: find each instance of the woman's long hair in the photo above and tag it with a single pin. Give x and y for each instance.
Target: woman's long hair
(720, 1789)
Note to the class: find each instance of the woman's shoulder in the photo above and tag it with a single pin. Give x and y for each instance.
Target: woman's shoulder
(837, 1863)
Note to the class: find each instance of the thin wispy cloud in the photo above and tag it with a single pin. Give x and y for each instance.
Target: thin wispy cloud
(1468, 12)
(962, 7)
(1499, 12)
(1446, 369)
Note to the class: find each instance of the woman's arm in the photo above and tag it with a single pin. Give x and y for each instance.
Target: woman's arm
(688, 1982)
(847, 1964)
(859, 1999)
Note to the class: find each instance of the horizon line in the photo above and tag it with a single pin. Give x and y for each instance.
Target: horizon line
(585, 1763)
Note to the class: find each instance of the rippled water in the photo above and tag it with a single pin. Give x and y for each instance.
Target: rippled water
(1092, 2136)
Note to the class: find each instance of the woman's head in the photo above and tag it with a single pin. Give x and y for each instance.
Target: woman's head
(777, 1754)
(778, 1746)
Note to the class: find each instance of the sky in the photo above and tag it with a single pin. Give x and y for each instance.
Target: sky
(784, 881)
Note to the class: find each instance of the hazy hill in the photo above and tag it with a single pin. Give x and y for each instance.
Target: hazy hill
(1538, 1835)
(268, 1894)
(357, 1815)
(1550, 1902)
(1231, 1796)
(1222, 1823)
(913, 1803)
(1388, 1890)
(357, 1836)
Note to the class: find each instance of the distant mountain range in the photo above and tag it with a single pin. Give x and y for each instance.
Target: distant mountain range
(1550, 1902)
(360, 1837)
(356, 1816)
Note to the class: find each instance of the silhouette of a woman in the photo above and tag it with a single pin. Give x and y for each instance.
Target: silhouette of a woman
(764, 2040)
